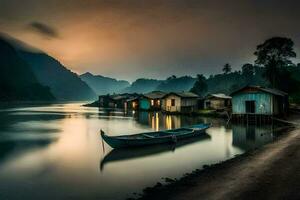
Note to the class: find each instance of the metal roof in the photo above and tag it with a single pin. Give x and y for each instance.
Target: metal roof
(184, 94)
(220, 96)
(132, 99)
(263, 89)
(155, 95)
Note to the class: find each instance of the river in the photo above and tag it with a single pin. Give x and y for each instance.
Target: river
(55, 151)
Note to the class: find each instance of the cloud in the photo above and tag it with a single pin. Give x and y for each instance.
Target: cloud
(44, 29)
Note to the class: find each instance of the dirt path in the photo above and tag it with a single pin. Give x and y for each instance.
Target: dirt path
(272, 172)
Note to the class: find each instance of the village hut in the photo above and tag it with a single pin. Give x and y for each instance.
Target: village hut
(132, 103)
(151, 101)
(180, 102)
(120, 100)
(106, 101)
(256, 100)
(116, 100)
(217, 102)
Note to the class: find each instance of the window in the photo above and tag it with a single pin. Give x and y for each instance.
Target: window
(250, 106)
(152, 102)
(158, 102)
(134, 105)
(172, 102)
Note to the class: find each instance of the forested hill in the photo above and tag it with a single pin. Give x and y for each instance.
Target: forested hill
(227, 83)
(171, 84)
(219, 83)
(177, 84)
(17, 80)
(143, 85)
(104, 85)
(64, 84)
(22, 65)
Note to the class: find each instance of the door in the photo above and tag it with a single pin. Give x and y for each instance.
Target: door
(250, 106)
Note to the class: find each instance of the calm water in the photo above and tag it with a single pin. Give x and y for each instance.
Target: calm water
(55, 151)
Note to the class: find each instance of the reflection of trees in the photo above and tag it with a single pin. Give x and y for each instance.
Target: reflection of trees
(8, 120)
(8, 148)
(9, 127)
(250, 137)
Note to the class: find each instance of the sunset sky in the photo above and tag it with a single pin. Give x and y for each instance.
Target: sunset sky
(127, 39)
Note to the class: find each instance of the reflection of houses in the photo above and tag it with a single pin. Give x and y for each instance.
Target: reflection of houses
(151, 101)
(217, 101)
(250, 137)
(255, 100)
(183, 102)
(160, 121)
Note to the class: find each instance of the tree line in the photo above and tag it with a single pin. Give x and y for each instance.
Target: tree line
(273, 67)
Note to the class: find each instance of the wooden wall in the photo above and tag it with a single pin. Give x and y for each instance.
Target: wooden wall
(263, 102)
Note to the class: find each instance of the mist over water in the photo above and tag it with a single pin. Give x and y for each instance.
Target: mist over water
(55, 151)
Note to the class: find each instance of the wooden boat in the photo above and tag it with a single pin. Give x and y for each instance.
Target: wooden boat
(133, 153)
(150, 138)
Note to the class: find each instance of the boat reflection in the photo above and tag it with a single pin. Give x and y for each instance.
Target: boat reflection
(132, 153)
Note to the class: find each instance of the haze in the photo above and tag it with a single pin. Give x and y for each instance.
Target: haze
(154, 39)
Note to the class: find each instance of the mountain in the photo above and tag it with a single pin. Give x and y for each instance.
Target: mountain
(143, 85)
(104, 85)
(171, 84)
(176, 84)
(65, 85)
(17, 80)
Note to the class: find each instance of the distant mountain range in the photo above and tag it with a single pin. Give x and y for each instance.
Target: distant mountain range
(29, 74)
(143, 85)
(104, 85)
(171, 84)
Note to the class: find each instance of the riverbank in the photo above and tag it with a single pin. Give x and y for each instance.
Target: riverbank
(271, 172)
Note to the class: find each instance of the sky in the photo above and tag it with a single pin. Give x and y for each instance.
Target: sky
(129, 39)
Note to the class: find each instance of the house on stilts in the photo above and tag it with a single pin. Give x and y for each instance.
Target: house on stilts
(258, 104)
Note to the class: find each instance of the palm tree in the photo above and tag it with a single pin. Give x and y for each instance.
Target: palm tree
(227, 68)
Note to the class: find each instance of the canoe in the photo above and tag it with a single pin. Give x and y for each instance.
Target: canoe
(151, 138)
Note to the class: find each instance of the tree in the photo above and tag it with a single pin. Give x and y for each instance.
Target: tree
(171, 77)
(200, 86)
(227, 68)
(248, 72)
(275, 54)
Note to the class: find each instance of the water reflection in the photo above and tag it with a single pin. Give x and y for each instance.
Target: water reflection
(133, 153)
(56, 150)
(159, 121)
(249, 136)
(19, 132)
